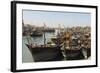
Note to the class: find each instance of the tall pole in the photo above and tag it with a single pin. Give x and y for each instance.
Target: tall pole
(44, 34)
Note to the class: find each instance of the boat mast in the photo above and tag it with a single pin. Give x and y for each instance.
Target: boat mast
(64, 43)
(58, 35)
(44, 33)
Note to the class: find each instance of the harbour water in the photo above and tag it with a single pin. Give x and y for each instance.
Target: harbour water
(26, 54)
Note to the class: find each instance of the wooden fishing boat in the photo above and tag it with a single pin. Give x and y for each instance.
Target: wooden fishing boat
(73, 47)
(45, 53)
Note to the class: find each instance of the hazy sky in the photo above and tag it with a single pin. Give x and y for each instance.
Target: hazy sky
(52, 19)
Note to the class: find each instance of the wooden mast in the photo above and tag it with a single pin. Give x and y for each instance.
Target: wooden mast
(44, 33)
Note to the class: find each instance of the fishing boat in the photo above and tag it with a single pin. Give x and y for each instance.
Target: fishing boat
(87, 43)
(36, 33)
(45, 52)
(74, 48)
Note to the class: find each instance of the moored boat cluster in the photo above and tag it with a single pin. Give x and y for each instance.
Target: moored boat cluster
(73, 43)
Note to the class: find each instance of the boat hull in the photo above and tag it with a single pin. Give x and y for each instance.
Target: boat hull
(46, 53)
(77, 54)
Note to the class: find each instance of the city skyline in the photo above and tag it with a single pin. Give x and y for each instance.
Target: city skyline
(53, 18)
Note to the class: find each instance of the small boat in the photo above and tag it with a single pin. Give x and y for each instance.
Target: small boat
(49, 30)
(36, 33)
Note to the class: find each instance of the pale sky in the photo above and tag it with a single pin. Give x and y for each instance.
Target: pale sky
(52, 19)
